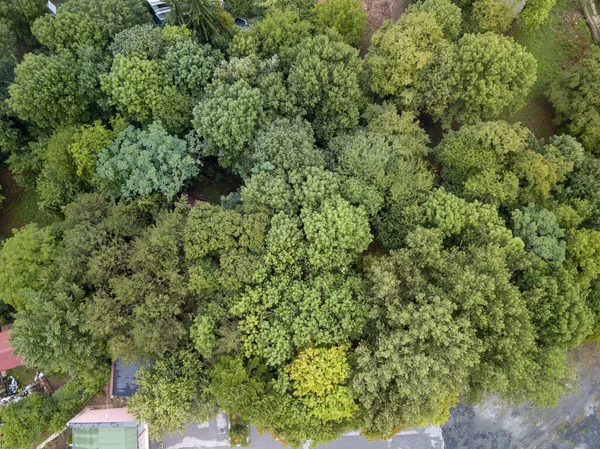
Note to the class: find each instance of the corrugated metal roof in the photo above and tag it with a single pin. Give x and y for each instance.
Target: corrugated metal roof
(8, 360)
(105, 438)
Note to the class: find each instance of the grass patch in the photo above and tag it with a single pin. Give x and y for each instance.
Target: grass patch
(558, 44)
(20, 205)
(22, 374)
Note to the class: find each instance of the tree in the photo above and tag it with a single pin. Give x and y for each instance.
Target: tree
(141, 162)
(400, 54)
(319, 376)
(52, 333)
(201, 16)
(304, 8)
(346, 16)
(226, 121)
(240, 8)
(46, 91)
(191, 65)
(26, 420)
(494, 76)
(20, 14)
(492, 162)
(316, 64)
(173, 392)
(25, 259)
(67, 30)
(279, 31)
(146, 38)
(491, 15)
(89, 142)
(224, 248)
(135, 85)
(446, 13)
(112, 16)
(536, 13)
(282, 315)
(574, 96)
(141, 302)
(540, 231)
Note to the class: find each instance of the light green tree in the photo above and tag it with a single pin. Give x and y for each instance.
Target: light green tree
(494, 74)
(319, 376)
(25, 259)
(346, 16)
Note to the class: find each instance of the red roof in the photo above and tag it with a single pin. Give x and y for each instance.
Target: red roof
(8, 360)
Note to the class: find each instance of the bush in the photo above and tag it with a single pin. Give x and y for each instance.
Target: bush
(238, 431)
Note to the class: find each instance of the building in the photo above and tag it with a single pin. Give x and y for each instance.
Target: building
(108, 428)
(8, 360)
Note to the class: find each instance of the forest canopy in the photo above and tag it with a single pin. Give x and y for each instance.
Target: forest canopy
(390, 244)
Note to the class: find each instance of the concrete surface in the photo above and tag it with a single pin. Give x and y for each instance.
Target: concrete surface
(206, 436)
(573, 424)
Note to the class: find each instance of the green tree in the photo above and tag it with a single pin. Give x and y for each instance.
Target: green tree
(316, 64)
(25, 259)
(492, 162)
(141, 302)
(67, 30)
(401, 54)
(53, 334)
(26, 420)
(201, 16)
(491, 15)
(46, 91)
(20, 14)
(191, 65)
(135, 85)
(226, 121)
(112, 16)
(446, 13)
(494, 75)
(146, 38)
(319, 377)
(140, 162)
(282, 315)
(346, 16)
(89, 142)
(535, 13)
(173, 392)
(224, 248)
(239, 8)
(540, 231)
(279, 31)
(304, 8)
(574, 96)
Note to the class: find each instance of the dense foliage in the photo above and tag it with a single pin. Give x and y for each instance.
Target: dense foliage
(359, 273)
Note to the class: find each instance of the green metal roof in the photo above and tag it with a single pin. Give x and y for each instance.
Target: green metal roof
(105, 438)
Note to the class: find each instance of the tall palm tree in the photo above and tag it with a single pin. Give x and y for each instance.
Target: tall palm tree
(201, 16)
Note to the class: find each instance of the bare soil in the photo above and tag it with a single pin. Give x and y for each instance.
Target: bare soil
(378, 12)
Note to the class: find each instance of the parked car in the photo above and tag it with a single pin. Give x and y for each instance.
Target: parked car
(159, 10)
(242, 23)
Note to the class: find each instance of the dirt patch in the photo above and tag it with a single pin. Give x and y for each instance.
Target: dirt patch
(379, 11)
